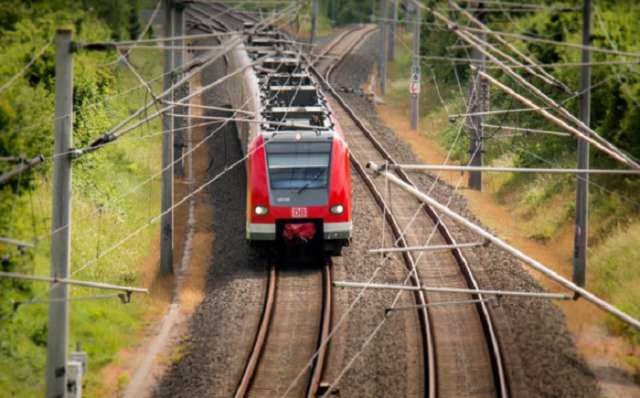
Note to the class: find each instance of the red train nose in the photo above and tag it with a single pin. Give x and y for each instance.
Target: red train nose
(303, 231)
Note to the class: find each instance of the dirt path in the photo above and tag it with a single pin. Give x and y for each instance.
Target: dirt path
(603, 351)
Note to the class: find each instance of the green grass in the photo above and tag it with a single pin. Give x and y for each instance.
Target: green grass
(614, 273)
(99, 222)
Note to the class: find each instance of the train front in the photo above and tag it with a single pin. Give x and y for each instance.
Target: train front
(299, 190)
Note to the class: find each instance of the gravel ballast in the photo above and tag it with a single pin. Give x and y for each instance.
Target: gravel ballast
(538, 350)
(210, 359)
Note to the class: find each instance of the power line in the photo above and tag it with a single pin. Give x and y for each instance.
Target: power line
(591, 135)
(154, 14)
(540, 73)
(602, 50)
(383, 260)
(540, 65)
(23, 167)
(158, 217)
(525, 5)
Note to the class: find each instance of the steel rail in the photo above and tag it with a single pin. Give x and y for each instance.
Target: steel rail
(323, 53)
(323, 349)
(394, 225)
(426, 331)
(315, 379)
(261, 335)
(364, 34)
(485, 315)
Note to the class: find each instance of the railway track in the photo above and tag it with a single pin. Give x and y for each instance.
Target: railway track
(297, 306)
(462, 349)
(462, 354)
(345, 42)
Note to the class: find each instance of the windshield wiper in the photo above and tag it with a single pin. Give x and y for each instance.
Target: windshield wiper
(308, 184)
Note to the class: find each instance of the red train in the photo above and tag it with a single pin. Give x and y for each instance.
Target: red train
(298, 172)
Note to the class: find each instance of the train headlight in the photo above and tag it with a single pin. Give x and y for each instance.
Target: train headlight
(261, 210)
(337, 209)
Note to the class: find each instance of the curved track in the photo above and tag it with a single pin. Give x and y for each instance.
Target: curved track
(463, 350)
(344, 43)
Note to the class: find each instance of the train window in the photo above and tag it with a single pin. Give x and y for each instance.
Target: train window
(298, 165)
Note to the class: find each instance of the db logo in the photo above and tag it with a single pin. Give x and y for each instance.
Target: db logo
(298, 212)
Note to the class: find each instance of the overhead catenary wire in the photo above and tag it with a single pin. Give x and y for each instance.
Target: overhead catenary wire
(158, 217)
(211, 58)
(212, 108)
(528, 62)
(120, 129)
(544, 7)
(581, 292)
(575, 46)
(518, 110)
(177, 160)
(374, 274)
(617, 155)
(154, 14)
(540, 65)
(165, 47)
(603, 144)
(131, 44)
(434, 289)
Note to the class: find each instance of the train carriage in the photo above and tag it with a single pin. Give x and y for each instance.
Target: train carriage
(298, 173)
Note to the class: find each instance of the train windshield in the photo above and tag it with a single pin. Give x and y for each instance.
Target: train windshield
(298, 165)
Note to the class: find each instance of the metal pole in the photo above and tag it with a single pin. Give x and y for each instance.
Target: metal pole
(58, 323)
(429, 289)
(478, 98)
(314, 23)
(579, 291)
(415, 67)
(24, 166)
(446, 167)
(166, 231)
(180, 91)
(66, 281)
(382, 56)
(427, 248)
(392, 30)
(17, 243)
(582, 192)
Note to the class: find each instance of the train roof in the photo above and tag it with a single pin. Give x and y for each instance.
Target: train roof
(292, 107)
(299, 136)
